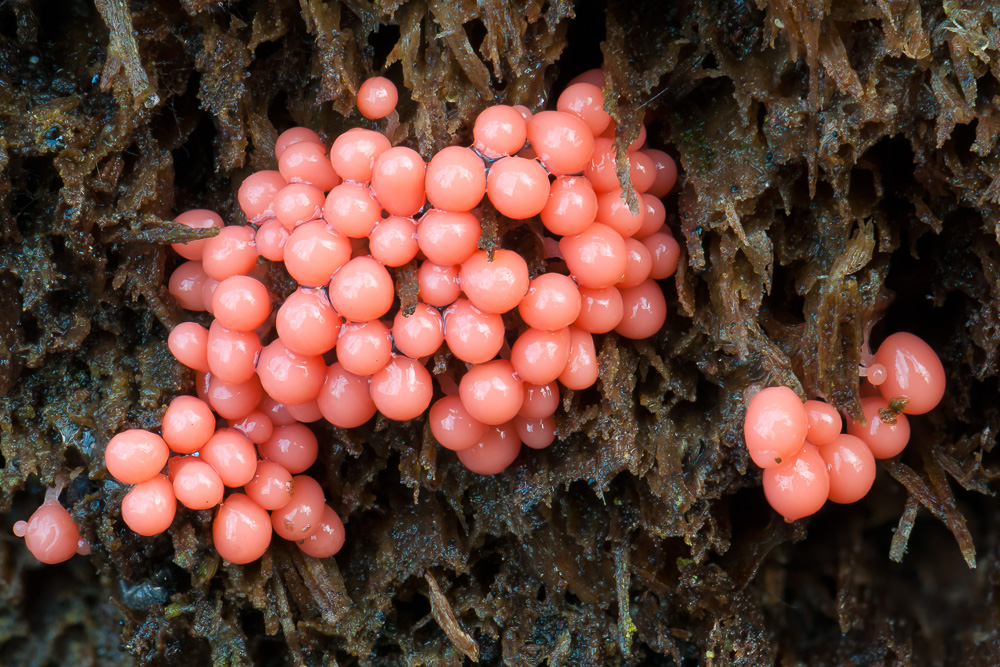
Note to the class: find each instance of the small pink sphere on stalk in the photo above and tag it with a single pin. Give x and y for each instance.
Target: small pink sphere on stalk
(613, 211)
(563, 141)
(581, 369)
(851, 468)
(232, 355)
(256, 195)
(232, 400)
(539, 357)
(232, 455)
(438, 284)
(307, 323)
(298, 203)
(800, 486)
(271, 238)
(354, 153)
(345, 399)
(645, 310)
(552, 302)
(499, 130)
(586, 101)
(196, 484)
(326, 541)
(188, 342)
(198, 218)
(135, 455)
(377, 97)
(271, 486)
(241, 303)
(447, 237)
(495, 286)
(452, 425)
(352, 210)
(824, 422)
(665, 170)
(420, 334)
(455, 179)
(596, 257)
(639, 264)
(884, 438)
(394, 241)
(306, 162)
(775, 426)
(241, 531)
(536, 433)
(601, 309)
(398, 181)
(314, 252)
(665, 253)
(539, 400)
(187, 285)
(301, 517)
(494, 453)
(364, 348)
(149, 507)
(403, 389)
(362, 290)
(518, 187)
(292, 136)
(288, 377)
(914, 372)
(232, 252)
(571, 206)
(256, 426)
(187, 425)
(293, 447)
(472, 335)
(50, 533)
(491, 392)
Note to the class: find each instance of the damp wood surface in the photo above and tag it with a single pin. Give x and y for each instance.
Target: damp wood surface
(839, 166)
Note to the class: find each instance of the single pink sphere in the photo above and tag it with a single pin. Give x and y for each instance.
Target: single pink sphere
(645, 310)
(314, 252)
(51, 534)
(666, 172)
(232, 355)
(196, 484)
(288, 377)
(552, 303)
(364, 348)
(581, 369)
(256, 195)
(306, 413)
(326, 541)
(256, 426)
(601, 170)
(306, 322)
(362, 290)
(187, 285)
(149, 507)
(398, 181)
(592, 76)
(198, 218)
(207, 291)
(271, 238)
(638, 265)
(883, 438)
(642, 171)
(518, 187)
(241, 531)
(571, 207)
(775, 426)
(452, 425)
(851, 468)
(351, 210)
(536, 433)
(586, 101)
(800, 486)
(539, 400)
(298, 203)
(271, 486)
(539, 357)
(306, 162)
(377, 97)
(614, 212)
(438, 284)
(353, 154)
(601, 310)
(188, 423)
(448, 238)
(301, 517)
(241, 303)
(233, 400)
(232, 455)
(500, 130)
(664, 252)
(914, 372)
(293, 447)
(654, 218)
(292, 136)
(188, 342)
(276, 412)
(472, 335)
(344, 399)
(402, 389)
(491, 392)
(394, 241)
(824, 422)
(597, 257)
(494, 286)
(420, 334)
(135, 455)
(562, 140)
(232, 252)
(494, 453)
(455, 179)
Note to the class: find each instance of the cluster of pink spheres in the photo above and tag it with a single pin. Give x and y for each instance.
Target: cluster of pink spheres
(805, 457)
